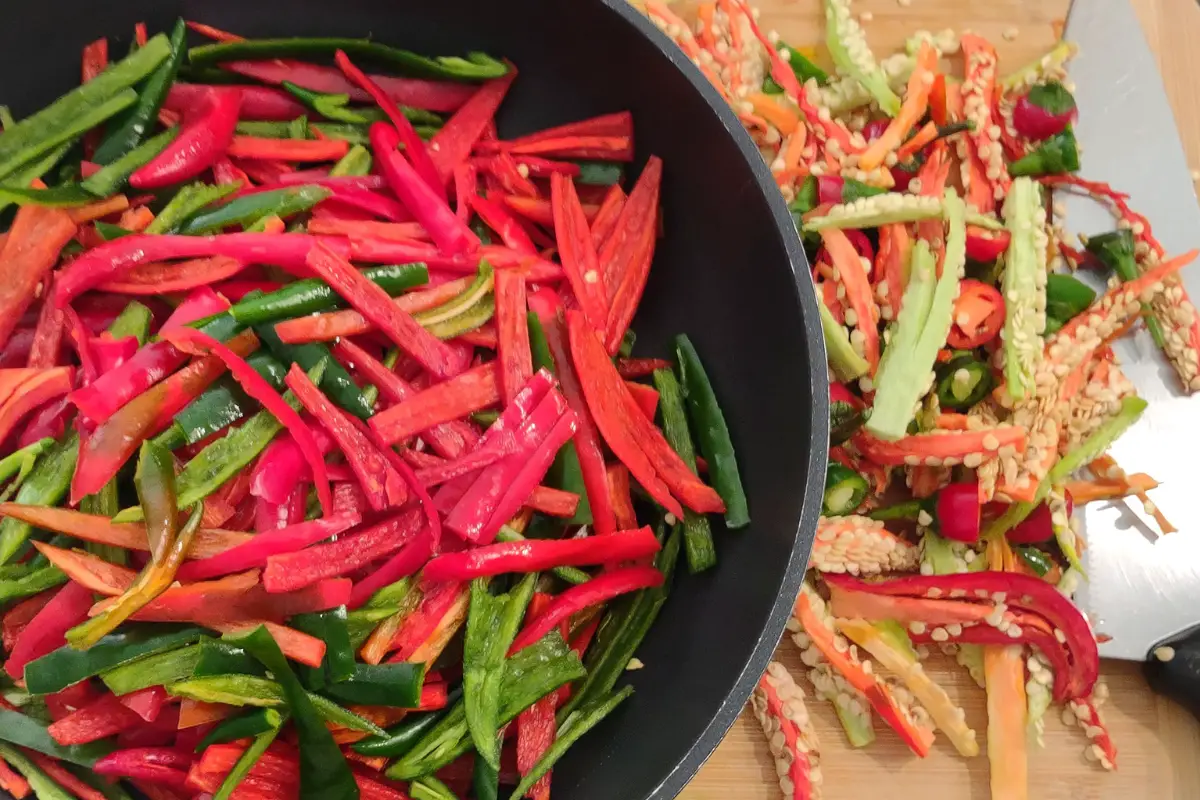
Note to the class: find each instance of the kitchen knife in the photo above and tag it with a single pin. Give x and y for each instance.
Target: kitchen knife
(1144, 590)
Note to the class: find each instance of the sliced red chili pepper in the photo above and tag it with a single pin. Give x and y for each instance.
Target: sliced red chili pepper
(204, 137)
(540, 211)
(452, 144)
(512, 326)
(64, 777)
(47, 336)
(599, 589)
(237, 599)
(619, 124)
(157, 765)
(466, 393)
(259, 148)
(984, 245)
(508, 176)
(255, 552)
(607, 216)
(578, 254)
(17, 618)
(636, 441)
(104, 717)
(437, 599)
(544, 167)
(154, 279)
(646, 398)
(22, 390)
(466, 186)
(601, 148)
(978, 315)
(257, 102)
(375, 304)
(30, 251)
(403, 564)
(536, 555)
(622, 499)
(46, 631)
(383, 487)
(552, 502)
(502, 222)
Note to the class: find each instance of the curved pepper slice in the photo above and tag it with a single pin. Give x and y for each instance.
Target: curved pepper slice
(206, 135)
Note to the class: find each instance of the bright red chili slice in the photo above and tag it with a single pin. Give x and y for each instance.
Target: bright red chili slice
(978, 315)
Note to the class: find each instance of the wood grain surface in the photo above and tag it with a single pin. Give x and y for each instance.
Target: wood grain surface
(1159, 743)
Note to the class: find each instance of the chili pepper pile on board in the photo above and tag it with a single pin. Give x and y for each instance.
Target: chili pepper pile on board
(327, 470)
(974, 391)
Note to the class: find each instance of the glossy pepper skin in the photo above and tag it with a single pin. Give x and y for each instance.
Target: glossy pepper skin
(206, 134)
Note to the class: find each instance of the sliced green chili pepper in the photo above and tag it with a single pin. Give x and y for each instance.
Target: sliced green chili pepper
(802, 67)
(572, 575)
(492, 622)
(565, 473)
(577, 723)
(338, 664)
(473, 318)
(485, 781)
(1055, 156)
(361, 621)
(430, 788)
(403, 736)
(1037, 560)
(1115, 250)
(241, 211)
(397, 685)
(610, 655)
(111, 178)
(324, 774)
(68, 195)
(246, 762)
(108, 232)
(394, 594)
(334, 380)
(27, 173)
(475, 67)
(1066, 298)
(462, 303)
(81, 109)
(697, 533)
(313, 295)
(127, 132)
(222, 658)
(333, 106)
(356, 162)
(600, 173)
(186, 203)
(529, 675)
(39, 580)
(46, 486)
(67, 666)
(856, 190)
(22, 461)
(43, 786)
(134, 320)
(963, 382)
(224, 403)
(845, 490)
(154, 670)
(243, 726)
(713, 434)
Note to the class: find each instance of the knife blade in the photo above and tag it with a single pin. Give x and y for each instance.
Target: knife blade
(1144, 587)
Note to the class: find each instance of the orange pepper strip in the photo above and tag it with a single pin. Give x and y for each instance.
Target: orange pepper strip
(858, 290)
(916, 101)
(950, 446)
(774, 112)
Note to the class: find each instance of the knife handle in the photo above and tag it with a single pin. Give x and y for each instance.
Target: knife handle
(1175, 672)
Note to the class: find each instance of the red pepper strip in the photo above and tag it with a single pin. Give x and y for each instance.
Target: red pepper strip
(112, 260)
(536, 731)
(984, 245)
(255, 552)
(105, 717)
(645, 397)
(348, 201)
(439, 599)
(229, 601)
(919, 739)
(609, 213)
(204, 136)
(375, 305)
(466, 186)
(95, 59)
(618, 124)
(605, 148)
(271, 516)
(449, 232)
(289, 571)
(633, 368)
(22, 390)
(296, 645)
(69, 700)
(258, 102)
(276, 775)
(434, 471)
(263, 171)
(1017, 592)
(536, 555)
(544, 167)
(110, 353)
(635, 440)
(111, 444)
(578, 255)
(628, 252)
(512, 326)
(254, 147)
(942, 444)
(599, 589)
(540, 211)
(403, 564)
(382, 251)
(466, 393)
(46, 631)
(451, 145)
(257, 387)
(505, 171)
(156, 279)
(81, 343)
(382, 486)
(587, 435)
(64, 777)
(498, 218)
(49, 421)
(396, 231)
(47, 337)
(414, 146)
(552, 502)
(17, 618)
(449, 439)
(12, 782)
(109, 392)
(619, 492)
(434, 696)
(430, 95)
(216, 34)
(30, 251)
(146, 703)
(859, 294)
(156, 765)
(89, 571)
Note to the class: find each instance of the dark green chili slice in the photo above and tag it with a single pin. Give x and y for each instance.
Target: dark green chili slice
(338, 664)
(475, 67)
(67, 666)
(241, 211)
(222, 658)
(1037, 560)
(243, 726)
(1115, 250)
(1055, 156)
(397, 685)
(845, 490)
(153, 670)
(600, 173)
(224, 403)
(908, 510)
(713, 434)
(963, 382)
(334, 380)
(46, 485)
(186, 203)
(356, 162)
(697, 533)
(68, 195)
(1066, 298)
(312, 295)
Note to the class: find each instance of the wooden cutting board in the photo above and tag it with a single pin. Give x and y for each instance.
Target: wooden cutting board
(1159, 743)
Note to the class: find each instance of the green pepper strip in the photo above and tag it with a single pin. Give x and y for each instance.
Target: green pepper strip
(222, 658)
(334, 380)
(430, 788)
(22, 461)
(697, 534)
(68, 195)
(397, 685)
(67, 666)
(112, 177)
(153, 670)
(403, 736)
(35, 582)
(485, 781)
(599, 173)
(324, 774)
(44, 787)
(246, 762)
(79, 110)
(18, 729)
(475, 67)
(329, 627)
(221, 405)
(46, 486)
(577, 723)
(241, 211)
(713, 433)
(27, 173)
(1066, 298)
(356, 162)
(492, 623)
(362, 621)
(243, 726)
(187, 202)
(313, 295)
(333, 106)
(128, 132)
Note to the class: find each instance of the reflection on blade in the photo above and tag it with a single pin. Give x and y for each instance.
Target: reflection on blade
(1144, 586)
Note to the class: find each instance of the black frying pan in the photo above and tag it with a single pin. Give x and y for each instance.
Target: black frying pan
(730, 272)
